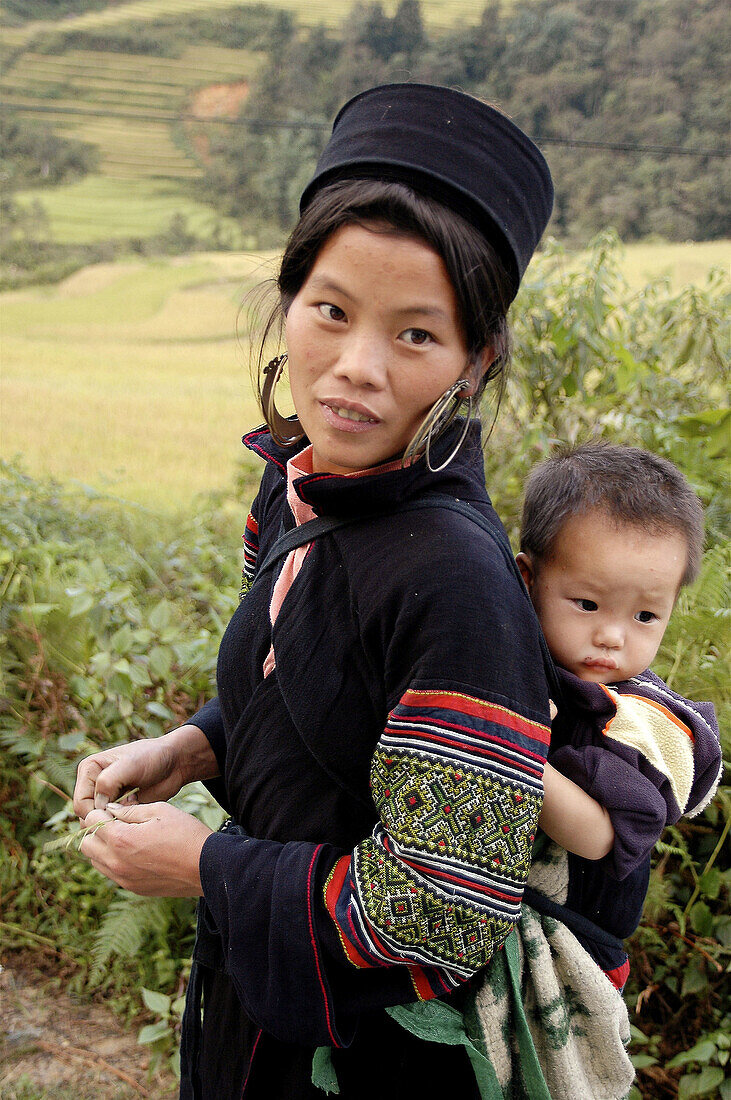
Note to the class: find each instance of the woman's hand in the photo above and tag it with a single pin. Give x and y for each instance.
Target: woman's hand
(159, 767)
(151, 850)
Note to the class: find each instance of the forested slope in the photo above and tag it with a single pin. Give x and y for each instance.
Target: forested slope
(628, 98)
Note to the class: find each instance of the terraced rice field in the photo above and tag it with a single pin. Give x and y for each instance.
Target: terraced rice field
(99, 208)
(133, 109)
(142, 95)
(436, 13)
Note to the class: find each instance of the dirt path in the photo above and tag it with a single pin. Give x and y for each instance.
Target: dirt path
(53, 1047)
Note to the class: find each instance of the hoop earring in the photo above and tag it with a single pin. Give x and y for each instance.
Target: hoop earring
(436, 422)
(279, 426)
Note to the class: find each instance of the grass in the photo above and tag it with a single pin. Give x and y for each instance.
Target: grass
(683, 264)
(98, 208)
(129, 377)
(25, 1089)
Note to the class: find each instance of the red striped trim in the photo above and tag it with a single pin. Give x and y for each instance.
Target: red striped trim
(333, 890)
(264, 454)
(477, 708)
(314, 945)
(618, 977)
(375, 959)
(430, 872)
(335, 884)
(252, 524)
(251, 1062)
(493, 755)
(482, 735)
(423, 986)
(379, 948)
(312, 479)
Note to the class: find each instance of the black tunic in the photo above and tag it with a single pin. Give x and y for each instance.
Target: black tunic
(386, 778)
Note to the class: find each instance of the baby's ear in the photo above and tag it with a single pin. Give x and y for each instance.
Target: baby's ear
(527, 571)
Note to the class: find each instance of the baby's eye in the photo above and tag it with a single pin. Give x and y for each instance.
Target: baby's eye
(646, 616)
(586, 605)
(417, 337)
(331, 312)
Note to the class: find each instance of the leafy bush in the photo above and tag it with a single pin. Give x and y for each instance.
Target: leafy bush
(111, 617)
(110, 622)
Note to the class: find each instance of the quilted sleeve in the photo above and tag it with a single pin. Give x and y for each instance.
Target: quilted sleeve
(655, 758)
(697, 780)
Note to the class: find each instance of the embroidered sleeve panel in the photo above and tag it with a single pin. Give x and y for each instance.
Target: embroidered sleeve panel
(457, 782)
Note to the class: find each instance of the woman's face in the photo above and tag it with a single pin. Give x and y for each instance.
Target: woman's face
(373, 339)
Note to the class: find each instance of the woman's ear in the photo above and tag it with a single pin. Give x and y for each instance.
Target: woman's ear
(478, 369)
(527, 571)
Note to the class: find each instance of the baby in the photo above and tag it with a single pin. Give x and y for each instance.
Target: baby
(609, 537)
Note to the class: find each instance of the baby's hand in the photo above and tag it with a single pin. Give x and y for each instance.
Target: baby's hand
(552, 708)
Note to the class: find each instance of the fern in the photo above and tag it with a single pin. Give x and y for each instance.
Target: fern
(61, 772)
(128, 922)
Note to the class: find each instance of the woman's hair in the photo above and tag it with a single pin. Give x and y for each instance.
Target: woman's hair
(631, 486)
(478, 276)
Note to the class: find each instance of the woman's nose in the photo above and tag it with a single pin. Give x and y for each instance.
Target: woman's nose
(362, 361)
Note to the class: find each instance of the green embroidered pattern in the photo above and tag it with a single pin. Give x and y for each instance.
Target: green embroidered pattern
(458, 814)
(416, 918)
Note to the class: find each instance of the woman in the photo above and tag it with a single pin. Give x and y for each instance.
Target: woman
(382, 717)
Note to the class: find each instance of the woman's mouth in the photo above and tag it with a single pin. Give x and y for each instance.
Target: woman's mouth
(349, 418)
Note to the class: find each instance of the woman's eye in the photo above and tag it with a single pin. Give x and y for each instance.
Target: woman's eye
(645, 616)
(586, 605)
(331, 312)
(417, 336)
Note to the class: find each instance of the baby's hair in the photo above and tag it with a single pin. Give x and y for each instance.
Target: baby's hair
(631, 486)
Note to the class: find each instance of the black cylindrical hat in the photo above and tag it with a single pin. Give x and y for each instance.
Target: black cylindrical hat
(452, 147)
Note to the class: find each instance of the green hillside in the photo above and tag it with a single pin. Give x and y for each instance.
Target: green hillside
(125, 105)
(202, 119)
(436, 13)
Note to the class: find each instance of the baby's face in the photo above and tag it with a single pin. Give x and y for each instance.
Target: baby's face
(605, 596)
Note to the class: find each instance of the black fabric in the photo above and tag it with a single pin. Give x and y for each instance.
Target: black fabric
(606, 950)
(376, 607)
(322, 525)
(451, 147)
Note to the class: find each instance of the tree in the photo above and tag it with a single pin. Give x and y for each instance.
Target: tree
(407, 28)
